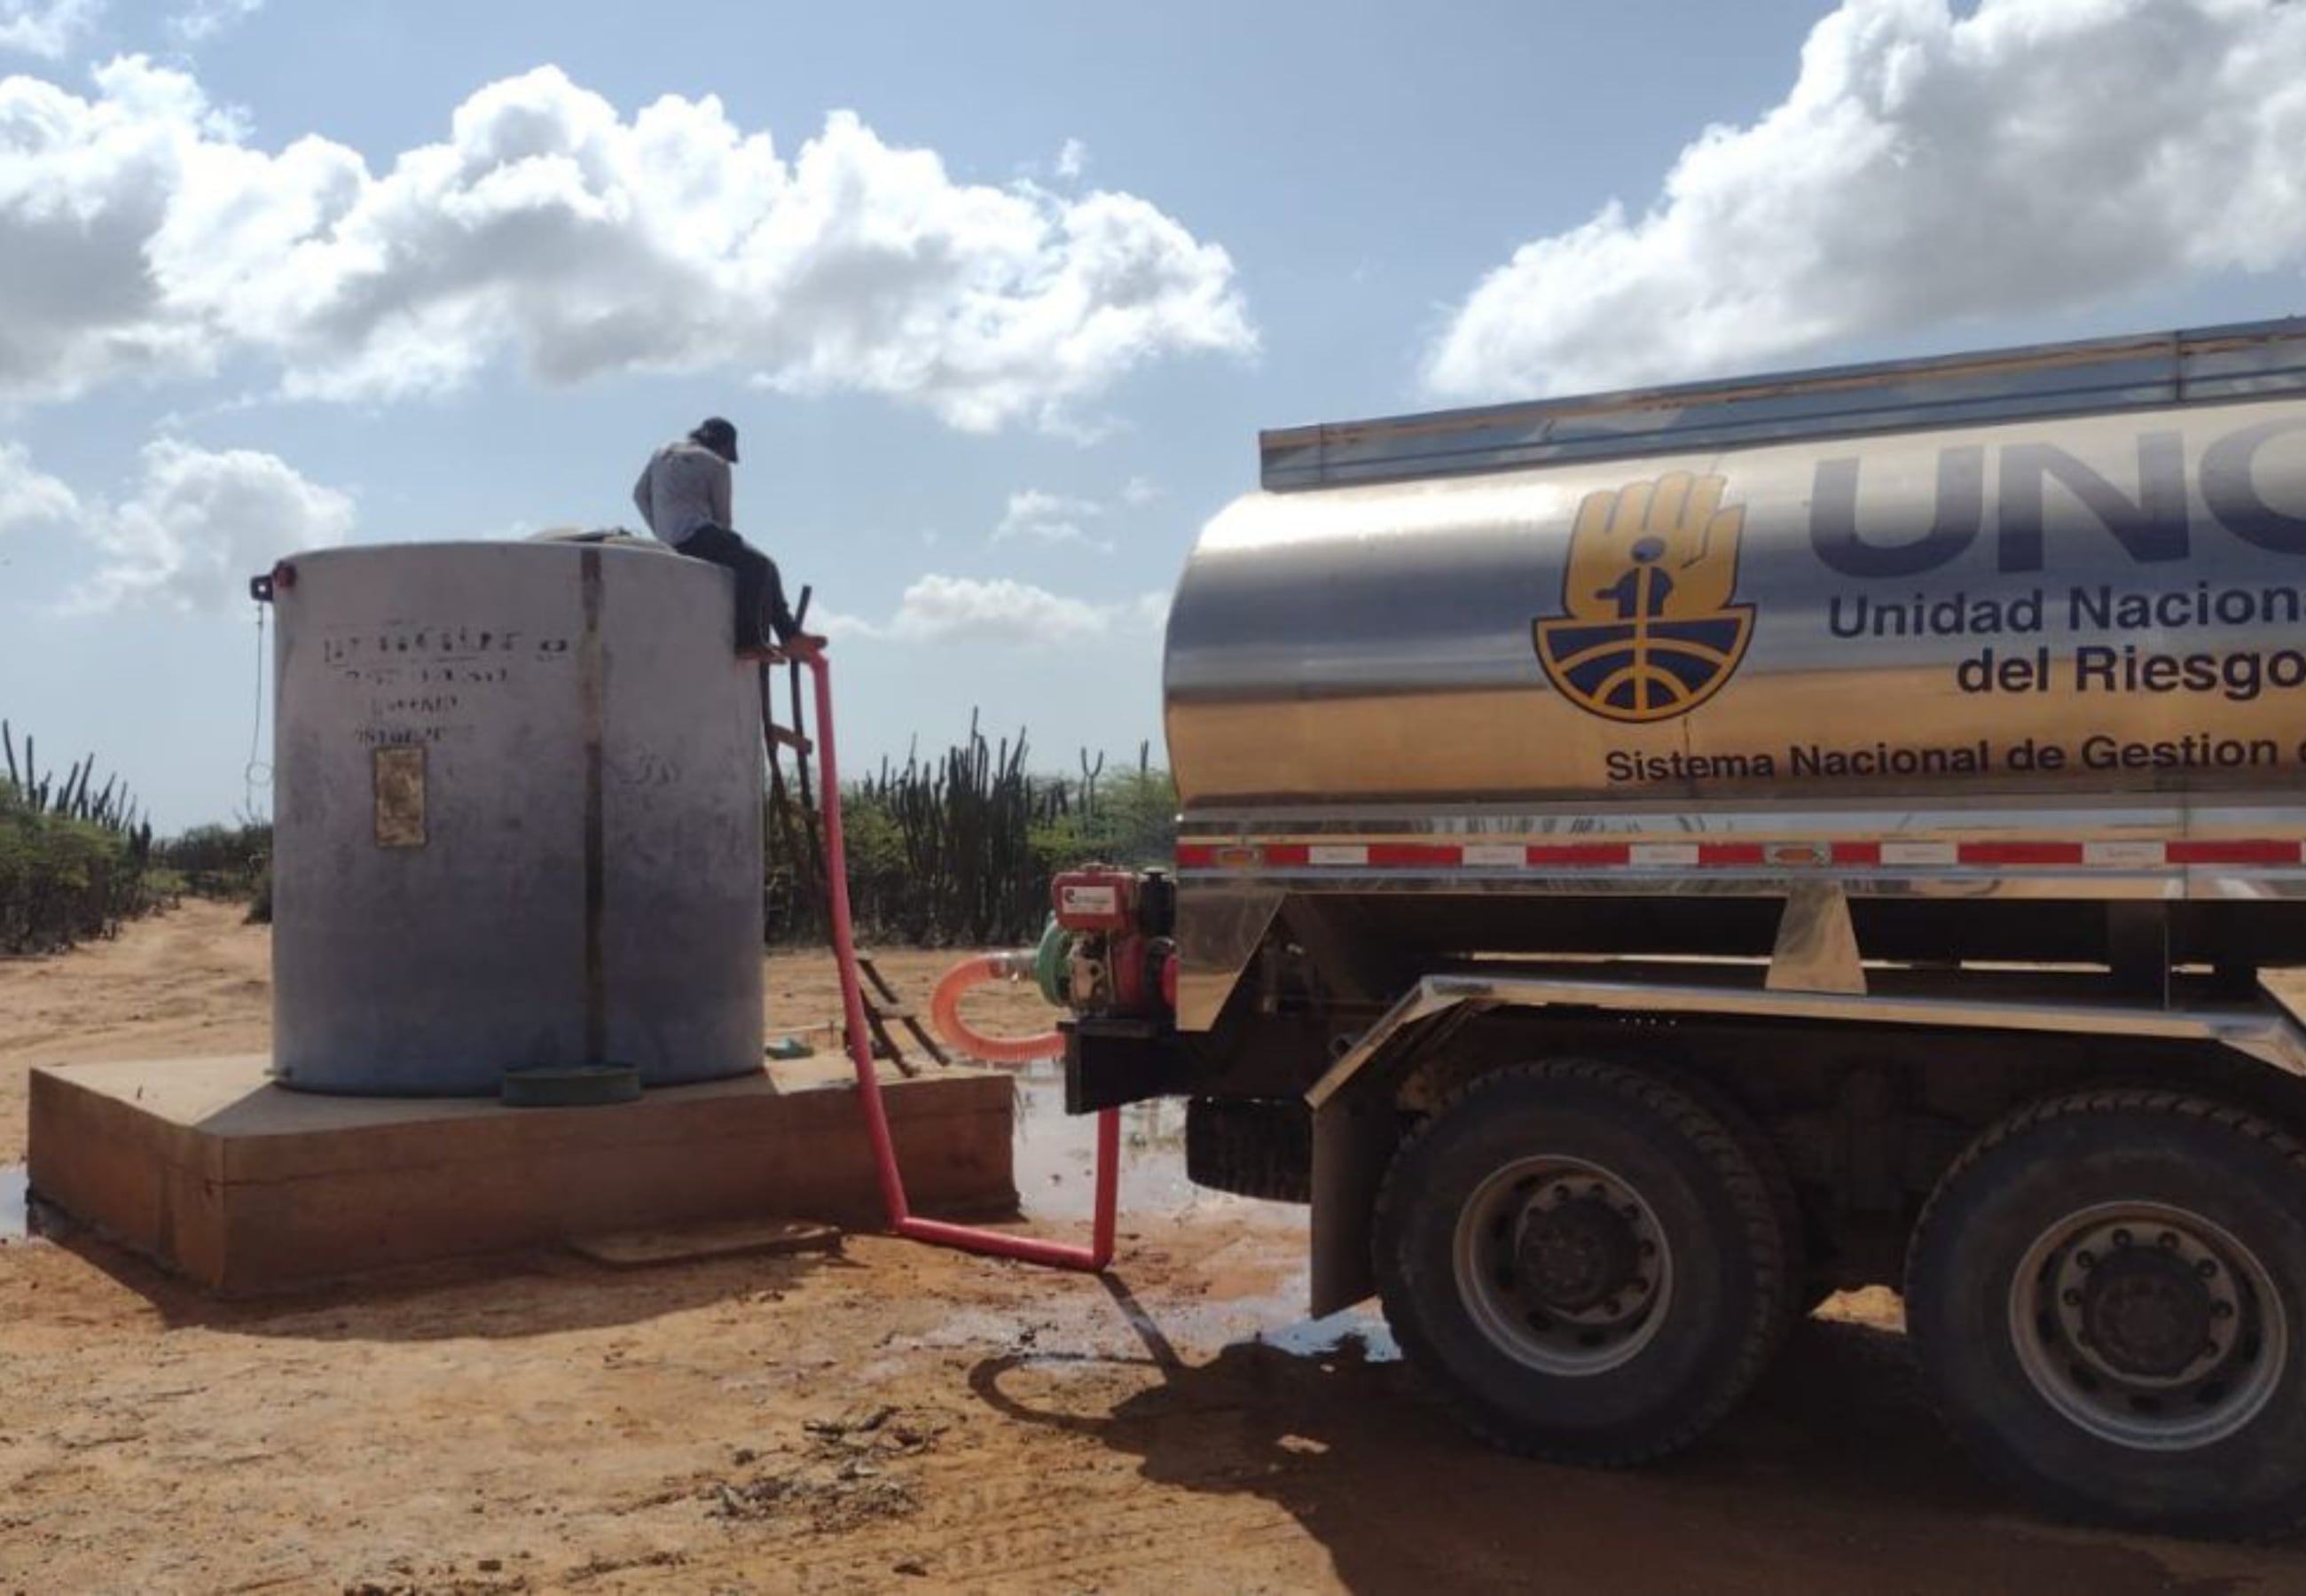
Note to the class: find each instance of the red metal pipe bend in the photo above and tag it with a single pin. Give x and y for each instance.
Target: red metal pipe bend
(969, 1238)
(945, 1013)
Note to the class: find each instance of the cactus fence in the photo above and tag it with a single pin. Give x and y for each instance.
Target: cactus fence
(73, 855)
(958, 850)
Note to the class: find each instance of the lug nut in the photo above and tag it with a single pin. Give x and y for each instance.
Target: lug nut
(2071, 1297)
(2086, 1261)
(2122, 1238)
(2208, 1269)
(2222, 1311)
(1609, 1307)
(2168, 1240)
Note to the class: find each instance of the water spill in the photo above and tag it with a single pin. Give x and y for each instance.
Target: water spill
(1056, 1153)
(1325, 1337)
(1055, 1166)
(15, 1219)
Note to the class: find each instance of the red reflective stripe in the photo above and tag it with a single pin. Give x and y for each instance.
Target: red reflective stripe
(1730, 853)
(1580, 853)
(2233, 853)
(1195, 856)
(1858, 853)
(2021, 853)
(1287, 855)
(1414, 855)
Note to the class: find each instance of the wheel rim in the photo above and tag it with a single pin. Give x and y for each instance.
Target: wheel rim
(2149, 1326)
(1563, 1266)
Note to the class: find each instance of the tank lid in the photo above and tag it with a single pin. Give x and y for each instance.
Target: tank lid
(2245, 361)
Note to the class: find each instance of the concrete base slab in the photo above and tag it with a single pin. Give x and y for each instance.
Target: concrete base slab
(641, 1249)
(206, 1167)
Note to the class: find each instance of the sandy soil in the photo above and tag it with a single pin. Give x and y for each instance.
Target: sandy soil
(892, 1417)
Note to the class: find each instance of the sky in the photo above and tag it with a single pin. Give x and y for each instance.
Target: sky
(999, 295)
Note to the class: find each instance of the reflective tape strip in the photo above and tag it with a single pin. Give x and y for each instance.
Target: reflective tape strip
(1909, 855)
(1665, 853)
(2031, 853)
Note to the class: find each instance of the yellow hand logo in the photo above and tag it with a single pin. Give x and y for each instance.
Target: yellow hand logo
(1659, 550)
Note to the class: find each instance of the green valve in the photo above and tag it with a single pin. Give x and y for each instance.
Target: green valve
(1051, 970)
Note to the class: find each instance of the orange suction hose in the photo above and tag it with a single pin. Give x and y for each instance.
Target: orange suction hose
(944, 1011)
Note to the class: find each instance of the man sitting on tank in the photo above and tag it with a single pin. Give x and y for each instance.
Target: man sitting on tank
(684, 497)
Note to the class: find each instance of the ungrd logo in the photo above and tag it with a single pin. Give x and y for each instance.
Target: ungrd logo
(1648, 629)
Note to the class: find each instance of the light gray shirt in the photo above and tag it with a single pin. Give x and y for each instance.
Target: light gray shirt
(684, 486)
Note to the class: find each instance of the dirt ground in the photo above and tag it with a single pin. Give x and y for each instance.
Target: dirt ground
(891, 1417)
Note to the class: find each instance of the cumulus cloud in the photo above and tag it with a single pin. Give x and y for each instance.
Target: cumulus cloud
(963, 609)
(1930, 164)
(1139, 492)
(148, 234)
(203, 19)
(1035, 516)
(1072, 160)
(197, 524)
(29, 499)
(46, 28)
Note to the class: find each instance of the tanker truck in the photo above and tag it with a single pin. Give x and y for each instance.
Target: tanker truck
(1647, 862)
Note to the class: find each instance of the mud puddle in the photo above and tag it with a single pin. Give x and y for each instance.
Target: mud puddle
(1056, 1155)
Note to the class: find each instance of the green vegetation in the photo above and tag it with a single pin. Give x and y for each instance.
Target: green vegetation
(74, 857)
(959, 851)
(219, 861)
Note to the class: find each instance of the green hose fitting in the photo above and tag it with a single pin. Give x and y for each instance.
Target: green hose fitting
(1052, 964)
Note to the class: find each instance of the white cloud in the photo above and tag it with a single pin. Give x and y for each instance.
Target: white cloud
(951, 608)
(199, 523)
(1072, 160)
(2028, 155)
(1139, 491)
(149, 236)
(203, 19)
(1035, 516)
(945, 610)
(31, 499)
(46, 28)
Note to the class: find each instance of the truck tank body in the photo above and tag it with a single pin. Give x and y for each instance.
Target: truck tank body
(517, 818)
(2021, 625)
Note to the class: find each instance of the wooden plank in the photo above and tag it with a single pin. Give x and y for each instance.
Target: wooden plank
(642, 1248)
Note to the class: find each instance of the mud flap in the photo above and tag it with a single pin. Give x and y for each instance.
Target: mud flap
(1355, 1134)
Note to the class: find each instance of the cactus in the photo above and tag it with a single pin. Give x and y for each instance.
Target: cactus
(958, 850)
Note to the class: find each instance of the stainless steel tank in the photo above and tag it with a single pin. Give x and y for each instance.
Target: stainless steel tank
(517, 818)
(2007, 651)
(2078, 606)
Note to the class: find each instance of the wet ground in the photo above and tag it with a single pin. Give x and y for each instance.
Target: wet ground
(897, 1417)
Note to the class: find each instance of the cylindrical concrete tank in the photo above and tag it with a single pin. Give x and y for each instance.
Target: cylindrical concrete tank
(517, 818)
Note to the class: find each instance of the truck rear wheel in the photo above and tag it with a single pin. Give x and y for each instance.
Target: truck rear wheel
(2106, 1293)
(1587, 1263)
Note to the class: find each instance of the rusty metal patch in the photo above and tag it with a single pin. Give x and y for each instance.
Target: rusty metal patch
(399, 773)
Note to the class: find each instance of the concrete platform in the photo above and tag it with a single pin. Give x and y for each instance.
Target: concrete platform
(213, 1173)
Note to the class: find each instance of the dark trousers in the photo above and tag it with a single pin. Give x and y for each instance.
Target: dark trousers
(760, 591)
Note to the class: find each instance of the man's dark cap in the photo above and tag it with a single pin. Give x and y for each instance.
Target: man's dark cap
(719, 436)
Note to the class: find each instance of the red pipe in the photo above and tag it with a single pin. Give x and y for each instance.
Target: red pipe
(936, 1232)
(945, 1013)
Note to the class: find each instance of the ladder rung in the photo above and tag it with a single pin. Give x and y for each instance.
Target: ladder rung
(882, 1011)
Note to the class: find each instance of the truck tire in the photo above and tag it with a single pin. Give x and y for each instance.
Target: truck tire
(1251, 1147)
(2106, 1293)
(1585, 1262)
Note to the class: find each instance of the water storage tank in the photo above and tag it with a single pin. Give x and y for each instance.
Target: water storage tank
(517, 818)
